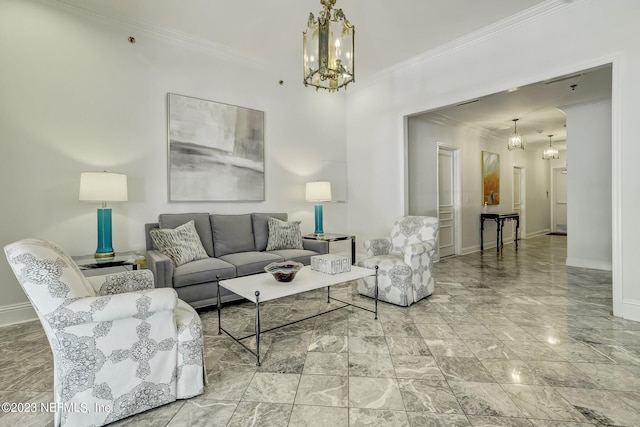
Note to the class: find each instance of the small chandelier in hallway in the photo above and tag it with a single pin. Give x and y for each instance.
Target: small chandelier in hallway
(515, 139)
(551, 152)
(328, 46)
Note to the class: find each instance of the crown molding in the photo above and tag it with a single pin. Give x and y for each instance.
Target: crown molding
(187, 40)
(534, 13)
(159, 33)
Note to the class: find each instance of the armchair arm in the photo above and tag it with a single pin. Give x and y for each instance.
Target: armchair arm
(161, 267)
(380, 246)
(140, 304)
(419, 248)
(126, 281)
(413, 252)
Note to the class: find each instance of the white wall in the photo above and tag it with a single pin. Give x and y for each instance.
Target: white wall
(424, 134)
(77, 96)
(589, 185)
(569, 37)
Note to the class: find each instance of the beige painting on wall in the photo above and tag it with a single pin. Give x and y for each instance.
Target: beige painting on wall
(216, 151)
(490, 178)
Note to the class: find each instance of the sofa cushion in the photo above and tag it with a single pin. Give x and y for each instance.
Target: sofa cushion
(261, 228)
(181, 244)
(284, 235)
(202, 271)
(201, 220)
(232, 234)
(299, 255)
(251, 262)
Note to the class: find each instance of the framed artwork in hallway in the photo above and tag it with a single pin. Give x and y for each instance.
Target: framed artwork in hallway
(490, 178)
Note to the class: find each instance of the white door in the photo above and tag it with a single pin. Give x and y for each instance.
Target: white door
(559, 201)
(518, 199)
(446, 202)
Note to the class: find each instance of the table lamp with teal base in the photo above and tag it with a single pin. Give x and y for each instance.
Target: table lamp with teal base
(103, 187)
(318, 191)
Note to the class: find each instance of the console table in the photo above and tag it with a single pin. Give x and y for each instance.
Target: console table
(499, 219)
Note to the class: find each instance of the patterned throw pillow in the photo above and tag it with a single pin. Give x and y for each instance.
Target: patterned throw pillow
(284, 235)
(182, 244)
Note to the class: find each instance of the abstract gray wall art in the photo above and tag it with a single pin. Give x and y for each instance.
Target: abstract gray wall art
(216, 151)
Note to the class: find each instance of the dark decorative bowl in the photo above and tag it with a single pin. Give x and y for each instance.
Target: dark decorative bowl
(283, 271)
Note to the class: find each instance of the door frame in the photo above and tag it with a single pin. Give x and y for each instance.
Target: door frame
(457, 195)
(552, 199)
(523, 200)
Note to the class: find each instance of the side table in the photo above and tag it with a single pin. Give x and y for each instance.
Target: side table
(334, 237)
(89, 262)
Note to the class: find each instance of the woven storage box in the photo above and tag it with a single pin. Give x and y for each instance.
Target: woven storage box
(331, 263)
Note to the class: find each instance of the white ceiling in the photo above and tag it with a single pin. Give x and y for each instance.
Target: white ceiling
(387, 33)
(535, 105)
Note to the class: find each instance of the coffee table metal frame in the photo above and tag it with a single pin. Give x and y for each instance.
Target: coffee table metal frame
(327, 280)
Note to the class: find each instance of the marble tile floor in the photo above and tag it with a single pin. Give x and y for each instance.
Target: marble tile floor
(510, 339)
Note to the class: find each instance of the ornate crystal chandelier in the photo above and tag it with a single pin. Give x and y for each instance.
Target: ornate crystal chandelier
(328, 49)
(551, 152)
(515, 139)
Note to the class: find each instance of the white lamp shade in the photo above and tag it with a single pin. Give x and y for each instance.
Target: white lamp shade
(103, 187)
(318, 191)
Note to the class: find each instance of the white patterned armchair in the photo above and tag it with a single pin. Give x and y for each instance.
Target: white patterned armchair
(119, 345)
(405, 261)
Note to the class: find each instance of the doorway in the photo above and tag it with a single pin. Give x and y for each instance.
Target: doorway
(462, 118)
(559, 201)
(519, 198)
(448, 203)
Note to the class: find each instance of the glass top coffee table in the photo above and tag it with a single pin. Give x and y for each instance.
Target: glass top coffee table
(263, 287)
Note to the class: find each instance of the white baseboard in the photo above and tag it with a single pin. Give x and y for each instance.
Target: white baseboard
(470, 249)
(537, 233)
(631, 309)
(585, 263)
(17, 313)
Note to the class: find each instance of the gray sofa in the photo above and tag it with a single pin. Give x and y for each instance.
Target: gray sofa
(236, 245)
